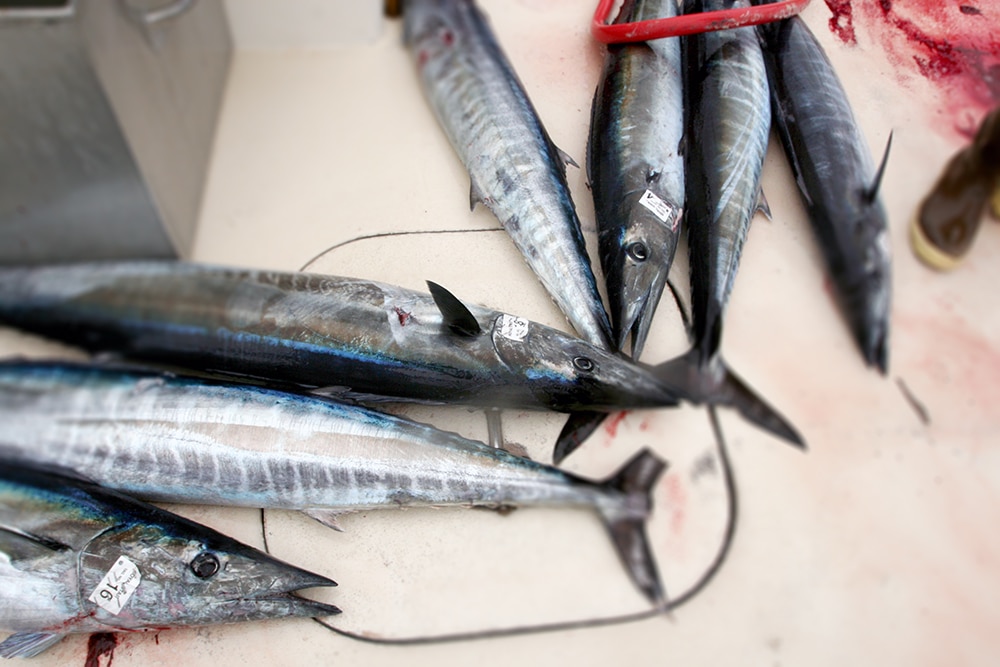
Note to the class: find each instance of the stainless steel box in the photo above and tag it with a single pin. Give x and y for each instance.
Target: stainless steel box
(107, 115)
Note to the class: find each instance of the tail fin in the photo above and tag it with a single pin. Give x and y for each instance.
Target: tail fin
(626, 522)
(577, 428)
(714, 383)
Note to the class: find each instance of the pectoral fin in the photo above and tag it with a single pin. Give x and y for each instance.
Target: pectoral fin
(22, 546)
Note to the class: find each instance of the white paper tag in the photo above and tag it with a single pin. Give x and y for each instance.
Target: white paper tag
(513, 328)
(117, 586)
(659, 208)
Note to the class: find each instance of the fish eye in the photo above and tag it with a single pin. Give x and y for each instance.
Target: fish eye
(638, 251)
(205, 565)
(583, 364)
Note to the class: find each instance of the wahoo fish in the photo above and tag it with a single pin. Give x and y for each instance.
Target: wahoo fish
(836, 178)
(636, 171)
(76, 557)
(729, 121)
(174, 439)
(354, 338)
(515, 168)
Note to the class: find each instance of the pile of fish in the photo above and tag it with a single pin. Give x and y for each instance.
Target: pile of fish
(289, 434)
(254, 388)
(677, 141)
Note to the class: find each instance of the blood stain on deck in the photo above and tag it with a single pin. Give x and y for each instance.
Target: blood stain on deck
(952, 45)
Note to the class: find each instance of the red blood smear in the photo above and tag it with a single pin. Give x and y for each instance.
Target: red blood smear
(404, 316)
(678, 498)
(612, 423)
(950, 43)
(842, 21)
(99, 645)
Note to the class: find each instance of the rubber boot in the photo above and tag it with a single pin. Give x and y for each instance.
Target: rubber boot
(949, 217)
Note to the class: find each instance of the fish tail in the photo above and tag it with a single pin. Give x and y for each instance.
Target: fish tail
(575, 431)
(713, 382)
(627, 527)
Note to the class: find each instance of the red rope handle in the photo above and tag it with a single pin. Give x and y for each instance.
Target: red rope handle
(688, 24)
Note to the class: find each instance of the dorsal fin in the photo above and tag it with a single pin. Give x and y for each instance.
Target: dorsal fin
(457, 317)
(872, 192)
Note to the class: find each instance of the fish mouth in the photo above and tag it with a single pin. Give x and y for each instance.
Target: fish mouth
(872, 338)
(634, 319)
(634, 291)
(867, 313)
(291, 603)
(280, 596)
(638, 386)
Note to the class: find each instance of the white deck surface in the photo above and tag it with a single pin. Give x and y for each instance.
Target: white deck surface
(877, 546)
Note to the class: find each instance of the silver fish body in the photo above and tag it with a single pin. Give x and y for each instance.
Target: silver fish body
(729, 118)
(837, 179)
(358, 337)
(76, 557)
(515, 168)
(187, 440)
(636, 171)
(730, 121)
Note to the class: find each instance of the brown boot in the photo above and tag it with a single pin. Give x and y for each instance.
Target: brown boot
(949, 217)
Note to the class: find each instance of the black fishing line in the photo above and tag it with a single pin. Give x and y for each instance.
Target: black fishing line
(729, 481)
(911, 399)
(263, 530)
(685, 320)
(384, 235)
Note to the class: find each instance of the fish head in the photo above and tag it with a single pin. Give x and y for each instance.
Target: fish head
(568, 374)
(868, 289)
(153, 573)
(636, 260)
